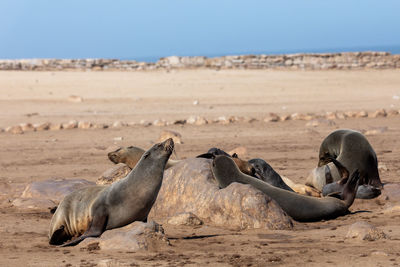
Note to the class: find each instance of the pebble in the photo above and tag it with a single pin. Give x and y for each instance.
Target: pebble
(118, 138)
(27, 127)
(14, 129)
(364, 231)
(70, 125)
(42, 126)
(75, 99)
(84, 125)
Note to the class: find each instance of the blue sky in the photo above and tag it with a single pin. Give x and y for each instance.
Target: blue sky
(149, 29)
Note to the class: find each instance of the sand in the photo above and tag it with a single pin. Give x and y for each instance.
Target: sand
(290, 147)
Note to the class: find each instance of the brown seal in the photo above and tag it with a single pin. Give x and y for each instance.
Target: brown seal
(90, 211)
(299, 207)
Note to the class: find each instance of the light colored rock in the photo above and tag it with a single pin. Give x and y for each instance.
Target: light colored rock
(176, 137)
(379, 253)
(38, 204)
(365, 231)
(75, 99)
(54, 190)
(42, 126)
(392, 113)
(196, 102)
(375, 130)
(361, 114)
(145, 123)
(378, 114)
(27, 127)
(100, 126)
(55, 127)
(84, 125)
(284, 117)
(331, 116)
(159, 122)
(222, 120)
(317, 122)
(118, 138)
(14, 129)
(390, 193)
(72, 124)
(200, 121)
(137, 236)
(392, 209)
(119, 124)
(185, 218)
(190, 186)
(116, 173)
(272, 117)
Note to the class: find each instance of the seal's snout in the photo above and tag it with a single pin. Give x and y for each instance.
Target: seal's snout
(168, 145)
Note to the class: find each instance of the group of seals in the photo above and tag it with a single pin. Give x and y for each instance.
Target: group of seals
(89, 211)
(342, 152)
(299, 207)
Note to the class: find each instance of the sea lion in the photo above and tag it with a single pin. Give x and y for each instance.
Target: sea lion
(131, 155)
(89, 211)
(299, 207)
(265, 172)
(353, 151)
(244, 166)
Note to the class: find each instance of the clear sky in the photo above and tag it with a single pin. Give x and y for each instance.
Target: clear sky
(148, 29)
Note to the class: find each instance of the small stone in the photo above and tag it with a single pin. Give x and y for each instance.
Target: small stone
(160, 122)
(222, 120)
(185, 218)
(200, 121)
(118, 124)
(375, 130)
(196, 102)
(176, 137)
(361, 114)
(55, 127)
(145, 123)
(75, 99)
(392, 113)
(331, 116)
(365, 231)
(42, 126)
(100, 126)
(272, 117)
(14, 129)
(27, 127)
(72, 124)
(84, 125)
(378, 114)
(118, 138)
(285, 118)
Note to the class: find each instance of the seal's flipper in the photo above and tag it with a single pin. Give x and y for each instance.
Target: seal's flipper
(344, 173)
(206, 156)
(96, 228)
(367, 192)
(350, 188)
(58, 237)
(335, 194)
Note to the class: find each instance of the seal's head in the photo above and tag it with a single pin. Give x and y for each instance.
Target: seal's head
(160, 151)
(262, 170)
(128, 155)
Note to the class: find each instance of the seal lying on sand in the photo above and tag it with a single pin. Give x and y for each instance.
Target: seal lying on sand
(131, 155)
(89, 211)
(353, 151)
(244, 166)
(299, 207)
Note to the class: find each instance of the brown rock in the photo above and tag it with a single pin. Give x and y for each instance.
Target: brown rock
(117, 172)
(186, 218)
(272, 117)
(377, 114)
(361, 114)
(133, 237)
(42, 126)
(27, 127)
(55, 126)
(14, 129)
(190, 186)
(84, 125)
(176, 137)
(365, 231)
(70, 125)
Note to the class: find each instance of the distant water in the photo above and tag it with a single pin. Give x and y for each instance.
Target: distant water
(392, 49)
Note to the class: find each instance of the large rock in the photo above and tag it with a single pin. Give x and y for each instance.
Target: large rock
(190, 186)
(133, 237)
(390, 194)
(365, 231)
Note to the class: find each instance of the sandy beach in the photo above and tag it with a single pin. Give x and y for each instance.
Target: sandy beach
(290, 147)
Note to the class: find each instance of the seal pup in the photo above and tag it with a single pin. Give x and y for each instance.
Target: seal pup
(90, 211)
(265, 172)
(131, 155)
(244, 166)
(299, 207)
(353, 151)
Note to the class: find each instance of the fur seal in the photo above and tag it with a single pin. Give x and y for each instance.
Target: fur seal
(265, 172)
(352, 151)
(244, 166)
(299, 207)
(90, 211)
(131, 155)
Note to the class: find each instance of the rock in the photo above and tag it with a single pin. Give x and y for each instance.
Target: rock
(118, 138)
(176, 137)
(272, 117)
(361, 114)
(55, 127)
(375, 130)
(392, 113)
(160, 122)
(378, 114)
(331, 116)
(181, 122)
(100, 126)
(317, 122)
(117, 172)
(222, 120)
(241, 151)
(196, 102)
(75, 99)
(392, 209)
(42, 126)
(38, 204)
(54, 190)
(132, 237)
(390, 193)
(190, 186)
(365, 231)
(27, 127)
(145, 123)
(200, 121)
(285, 117)
(72, 124)
(379, 254)
(14, 129)
(84, 125)
(186, 218)
(119, 124)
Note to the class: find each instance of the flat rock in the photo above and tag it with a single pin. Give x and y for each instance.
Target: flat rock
(117, 172)
(186, 218)
(54, 190)
(133, 237)
(190, 186)
(38, 204)
(365, 231)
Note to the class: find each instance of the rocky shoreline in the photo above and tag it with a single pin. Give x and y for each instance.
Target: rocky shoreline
(347, 60)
